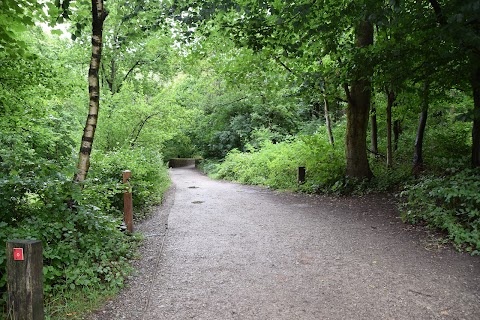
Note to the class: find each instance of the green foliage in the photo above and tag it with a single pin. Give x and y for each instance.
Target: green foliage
(239, 98)
(254, 83)
(18, 18)
(450, 203)
(448, 140)
(83, 247)
(276, 165)
(79, 227)
(149, 180)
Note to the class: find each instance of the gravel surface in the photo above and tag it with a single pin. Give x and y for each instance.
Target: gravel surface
(241, 252)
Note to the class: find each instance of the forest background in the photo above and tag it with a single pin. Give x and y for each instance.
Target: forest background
(368, 96)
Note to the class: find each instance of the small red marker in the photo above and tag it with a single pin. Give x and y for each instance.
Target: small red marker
(18, 254)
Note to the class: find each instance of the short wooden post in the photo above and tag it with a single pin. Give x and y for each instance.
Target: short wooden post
(25, 280)
(301, 175)
(127, 202)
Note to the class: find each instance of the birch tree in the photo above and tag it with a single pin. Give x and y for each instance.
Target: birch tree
(99, 15)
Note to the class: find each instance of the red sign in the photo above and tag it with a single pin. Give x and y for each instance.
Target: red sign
(18, 254)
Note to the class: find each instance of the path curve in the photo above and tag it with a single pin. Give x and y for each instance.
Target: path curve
(243, 252)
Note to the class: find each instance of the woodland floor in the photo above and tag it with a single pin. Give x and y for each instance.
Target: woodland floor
(240, 252)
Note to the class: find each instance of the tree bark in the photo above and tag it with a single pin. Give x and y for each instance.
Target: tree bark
(98, 17)
(476, 119)
(328, 123)
(418, 151)
(374, 131)
(397, 130)
(390, 101)
(358, 111)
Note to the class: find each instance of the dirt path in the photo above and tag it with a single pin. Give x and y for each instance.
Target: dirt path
(241, 252)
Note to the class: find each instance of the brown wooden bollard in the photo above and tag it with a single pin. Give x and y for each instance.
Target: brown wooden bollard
(127, 202)
(25, 280)
(301, 175)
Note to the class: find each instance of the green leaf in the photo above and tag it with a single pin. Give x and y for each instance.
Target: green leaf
(57, 32)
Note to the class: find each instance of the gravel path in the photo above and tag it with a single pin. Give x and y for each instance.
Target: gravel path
(242, 252)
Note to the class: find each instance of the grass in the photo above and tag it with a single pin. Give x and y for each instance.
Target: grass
(76, 304)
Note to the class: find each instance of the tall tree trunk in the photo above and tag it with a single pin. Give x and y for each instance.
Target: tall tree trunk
(418, 152)
(374, 130)
(397, 129)
(328, 123)
(358, 111)
(98, 17)
(476, 119)
(390, 101)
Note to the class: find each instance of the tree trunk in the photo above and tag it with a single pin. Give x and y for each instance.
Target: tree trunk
(110, 78)
(358, 112)
(390, 101)
(418, 152)
(315, 112)
(328, 122)
(374, 131)
(397, 129)
(476, 119)
(98, 17)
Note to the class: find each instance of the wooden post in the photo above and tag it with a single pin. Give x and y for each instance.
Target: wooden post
(127, 202)
(301, 175)
(25, 280)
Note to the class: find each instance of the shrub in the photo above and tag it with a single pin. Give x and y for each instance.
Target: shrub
(450, 203)
(276, 165)
(82, 246)
(149, 179)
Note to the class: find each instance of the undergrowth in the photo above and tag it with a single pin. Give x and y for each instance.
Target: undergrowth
(276, 165)
(450, 203)
(84, 250)
(74, 304)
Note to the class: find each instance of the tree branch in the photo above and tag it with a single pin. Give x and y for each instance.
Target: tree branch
(126, 76)
(347, 92)
(284, 65)
(376, 153)
(438, 11)
(136, 64)
(140, 127)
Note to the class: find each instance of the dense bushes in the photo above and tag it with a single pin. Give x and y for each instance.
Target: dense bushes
(42, 109)
(149, 179)
(450, 203)
(82, 247)
(79, 228)
(276, 165)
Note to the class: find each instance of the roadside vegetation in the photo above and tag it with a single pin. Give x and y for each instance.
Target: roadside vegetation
(368, 96)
